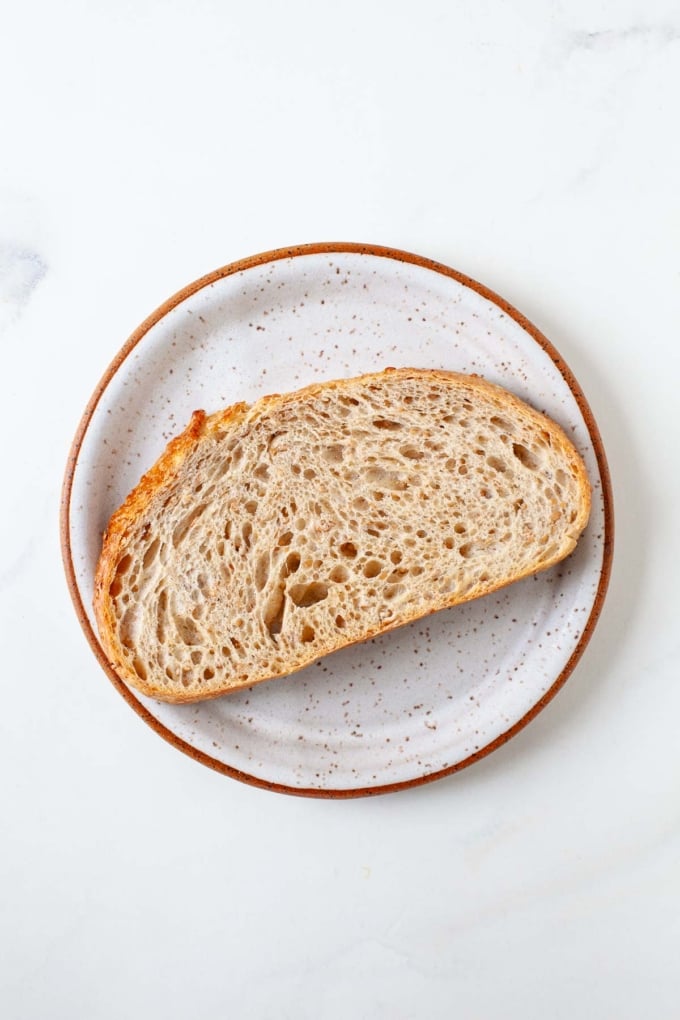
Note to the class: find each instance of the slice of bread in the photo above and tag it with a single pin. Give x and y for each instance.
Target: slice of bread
(269, 535)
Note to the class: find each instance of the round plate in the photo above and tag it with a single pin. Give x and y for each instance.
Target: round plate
(419, 702)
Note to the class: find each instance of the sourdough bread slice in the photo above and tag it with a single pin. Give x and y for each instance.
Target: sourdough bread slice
(266, 536)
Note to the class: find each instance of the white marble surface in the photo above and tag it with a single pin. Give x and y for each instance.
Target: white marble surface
(535, 147)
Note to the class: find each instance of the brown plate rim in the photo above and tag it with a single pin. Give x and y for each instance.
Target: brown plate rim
(321, 248)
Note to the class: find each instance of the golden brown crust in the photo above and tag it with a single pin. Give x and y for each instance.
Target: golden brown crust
(162, 475)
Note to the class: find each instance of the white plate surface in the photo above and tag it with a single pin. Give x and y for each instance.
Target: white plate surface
(421, 700)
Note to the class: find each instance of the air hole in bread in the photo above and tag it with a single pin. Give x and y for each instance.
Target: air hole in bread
(251, 506)
(485, 493)
(466, 550)
(286, 538)
(151, 553)
(309, 474)
(139, 668)
(397, 574)
(308, 634)
(388, 424)
(339, 621)
(339, 574)
(247, 532)
(421, 533)
(502, 423)
(348, 549)
(525, 456)
(301, 524)
(208, 673)
(261, 570)
(161, 610)
(127, 626)
(124, 565)
(292, 562)
(360, 503)
(449, 543)
(238, 647)
(396, 556)
(459, 528)
(333, 454)
(372, 568)
(380, 475)
(187, 631)
(518, 504)
(305, 595)
(262, 471)
(430, 444)
(462, 470)
(497, 464)
(411, 452)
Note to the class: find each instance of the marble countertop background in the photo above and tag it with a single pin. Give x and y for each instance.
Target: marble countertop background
(533, 146)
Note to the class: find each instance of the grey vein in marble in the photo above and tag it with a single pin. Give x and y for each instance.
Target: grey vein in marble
(21, 270)
(608, 39)
(14, 569)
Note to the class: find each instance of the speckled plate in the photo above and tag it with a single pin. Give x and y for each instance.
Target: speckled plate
(419, 702)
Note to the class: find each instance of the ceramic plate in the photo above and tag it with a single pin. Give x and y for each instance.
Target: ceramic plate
(419, 702)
